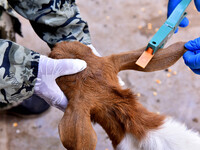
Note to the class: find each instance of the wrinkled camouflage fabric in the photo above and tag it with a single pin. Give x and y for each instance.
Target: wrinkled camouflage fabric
(54, 20)
(18, 72)
(5, 8)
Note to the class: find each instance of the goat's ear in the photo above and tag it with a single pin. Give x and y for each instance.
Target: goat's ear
(163, 58)
(75, 129)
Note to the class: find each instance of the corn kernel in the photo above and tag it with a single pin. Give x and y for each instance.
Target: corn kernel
(155, 93)
(107, 17)
(15, 124)
(139, 27)
(160, 12)
(169, 75)
(142, 9)
(156, 29)
(138, 94)
(149, 26)
(175, 73)
(158, 81)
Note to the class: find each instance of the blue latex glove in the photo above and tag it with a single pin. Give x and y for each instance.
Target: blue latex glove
(172, 5)
(192, 56)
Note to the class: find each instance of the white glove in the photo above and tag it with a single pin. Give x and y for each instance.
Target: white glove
(94, 50)
(121, 82)
(50, 69)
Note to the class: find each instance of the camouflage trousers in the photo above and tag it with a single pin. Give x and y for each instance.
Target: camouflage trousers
(53, 21)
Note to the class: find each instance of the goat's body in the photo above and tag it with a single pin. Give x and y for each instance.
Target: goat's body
(169, 136)
(95, 95)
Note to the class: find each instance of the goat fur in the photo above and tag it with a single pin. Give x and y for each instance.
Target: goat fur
(95, 95)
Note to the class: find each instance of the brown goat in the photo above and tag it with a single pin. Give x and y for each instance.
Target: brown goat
(95, 95)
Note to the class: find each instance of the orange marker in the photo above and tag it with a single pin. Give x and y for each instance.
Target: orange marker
(145, 58)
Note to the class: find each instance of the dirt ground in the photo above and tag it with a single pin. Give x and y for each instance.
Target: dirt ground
(116, 26)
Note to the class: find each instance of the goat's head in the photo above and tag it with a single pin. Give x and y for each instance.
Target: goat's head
(94, 94)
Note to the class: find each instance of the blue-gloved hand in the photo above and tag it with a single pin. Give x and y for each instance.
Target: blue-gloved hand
(172, 5)
(192, 56)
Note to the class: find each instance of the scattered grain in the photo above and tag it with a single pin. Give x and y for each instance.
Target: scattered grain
(158, 81)
(138, 95)
(174, 73)
(160, 12)
(149, 26)
(169, 75)
(107, 17)
(169, 70)
(139, 27)
(15, 124)
(155, 93)
(142, 9)
(156, 29)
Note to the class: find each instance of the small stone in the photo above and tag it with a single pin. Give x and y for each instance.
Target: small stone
(158, 112)
(36, 126)
(195, 120)
(134, 16)
(18, 131)
(158, 101)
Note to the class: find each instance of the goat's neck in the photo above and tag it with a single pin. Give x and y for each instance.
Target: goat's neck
(126, 115)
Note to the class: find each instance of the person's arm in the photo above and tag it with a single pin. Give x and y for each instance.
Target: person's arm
(54, 21)
(23, 72)
(18, 72)
(172, 5)
(192, 56)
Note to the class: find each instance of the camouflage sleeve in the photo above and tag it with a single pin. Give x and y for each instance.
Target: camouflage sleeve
(54, 20)
(5, 8)
(18, 72)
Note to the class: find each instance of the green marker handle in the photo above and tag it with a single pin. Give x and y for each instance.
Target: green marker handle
(168, 28)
